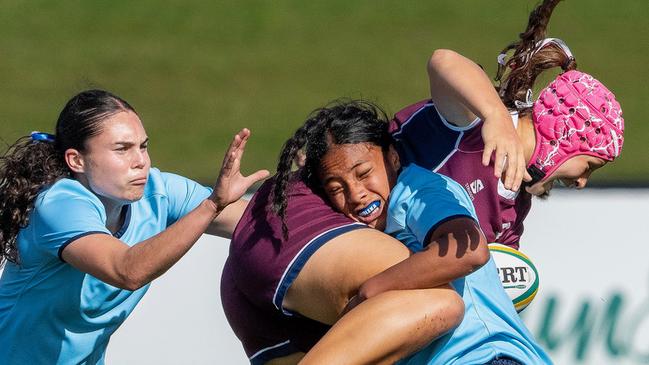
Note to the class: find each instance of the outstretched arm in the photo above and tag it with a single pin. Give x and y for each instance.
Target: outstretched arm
(234, 184)
(115, 263)
(385, 328)
(461, 91)
(226, 222)
(455, 249)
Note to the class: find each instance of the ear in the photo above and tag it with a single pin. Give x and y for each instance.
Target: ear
(74, 160)
(393, 158)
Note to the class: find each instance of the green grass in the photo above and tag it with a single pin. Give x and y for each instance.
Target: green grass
(198, 71)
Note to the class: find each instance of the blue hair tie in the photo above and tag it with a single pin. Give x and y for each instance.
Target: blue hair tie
(41, 136)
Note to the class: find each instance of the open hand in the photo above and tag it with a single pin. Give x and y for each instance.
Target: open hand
(231, 184)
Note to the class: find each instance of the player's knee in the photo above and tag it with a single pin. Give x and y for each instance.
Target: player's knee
(437, 310)
(446, 305)
(454, 309)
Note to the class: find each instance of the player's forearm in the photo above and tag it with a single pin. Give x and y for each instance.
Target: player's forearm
(226, 222)
(455, 79)
(425, 269)
(457, 249)
(151, 258)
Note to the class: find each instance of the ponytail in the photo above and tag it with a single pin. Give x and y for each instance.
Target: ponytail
(33, 163)
(291, 152)
(26, 168)
(533, 54)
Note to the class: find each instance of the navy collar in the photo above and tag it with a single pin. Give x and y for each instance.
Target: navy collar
(126, 211)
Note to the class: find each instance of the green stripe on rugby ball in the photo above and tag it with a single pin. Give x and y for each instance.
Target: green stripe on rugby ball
(521, 301)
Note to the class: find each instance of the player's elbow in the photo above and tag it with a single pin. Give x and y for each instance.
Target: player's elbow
(462, 240)
(134, 285)
(124, 281)
(131, 284)
(440, 59)
(471, 262)
(476, 248)
(132, 279)
(481, 253)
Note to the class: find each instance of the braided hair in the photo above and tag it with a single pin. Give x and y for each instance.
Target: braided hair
(343, 121)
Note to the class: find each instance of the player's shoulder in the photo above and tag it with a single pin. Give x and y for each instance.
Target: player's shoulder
(66, 203)
(413, 115)
(416, 175)
(413, 181)
(416, 182)
(412, 110)
(299, 196)
(65, 190)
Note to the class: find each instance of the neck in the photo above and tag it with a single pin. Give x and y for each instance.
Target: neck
(527, 136)
(114, 219)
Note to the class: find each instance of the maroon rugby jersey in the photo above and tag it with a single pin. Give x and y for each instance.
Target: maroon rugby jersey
(261, 266)
(427, 139)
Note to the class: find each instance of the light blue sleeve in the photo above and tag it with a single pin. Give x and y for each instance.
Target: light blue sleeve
(436, 201)
(184, 195)
(64, 214)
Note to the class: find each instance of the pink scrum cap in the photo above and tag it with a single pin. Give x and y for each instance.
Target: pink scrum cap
(574, 115)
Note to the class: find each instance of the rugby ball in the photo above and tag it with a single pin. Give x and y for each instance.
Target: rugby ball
(517, 274)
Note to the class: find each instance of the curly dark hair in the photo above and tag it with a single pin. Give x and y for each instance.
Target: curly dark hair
(343, 121)
(530, 58)
(30, 165)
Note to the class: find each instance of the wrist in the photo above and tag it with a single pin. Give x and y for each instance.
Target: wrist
(499, 113)
(211, 206)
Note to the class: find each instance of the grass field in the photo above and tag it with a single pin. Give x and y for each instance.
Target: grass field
(198, 71)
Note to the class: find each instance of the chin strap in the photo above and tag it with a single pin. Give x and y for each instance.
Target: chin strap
(536, 174)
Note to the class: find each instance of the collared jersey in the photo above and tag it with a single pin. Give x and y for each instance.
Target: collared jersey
(419, 202)
(52, 313)
(424, 137)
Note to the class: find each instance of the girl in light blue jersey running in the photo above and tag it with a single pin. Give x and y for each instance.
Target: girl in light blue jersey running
(86, 224)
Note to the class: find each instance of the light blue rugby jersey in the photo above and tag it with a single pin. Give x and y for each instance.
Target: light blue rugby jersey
(52, 313)
(420, 201)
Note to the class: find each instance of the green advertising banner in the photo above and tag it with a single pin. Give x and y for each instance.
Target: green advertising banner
(590, 249)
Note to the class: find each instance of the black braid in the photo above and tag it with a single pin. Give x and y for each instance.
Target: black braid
(342, 121)
(288, 155)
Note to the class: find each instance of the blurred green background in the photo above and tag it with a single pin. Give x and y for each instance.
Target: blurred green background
(198, 71)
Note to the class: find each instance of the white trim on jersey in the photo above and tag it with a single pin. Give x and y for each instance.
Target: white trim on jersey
(514, 116)
(299, 256)
(454, 127)
(410, 118)
(269, 348)
(450, 154)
